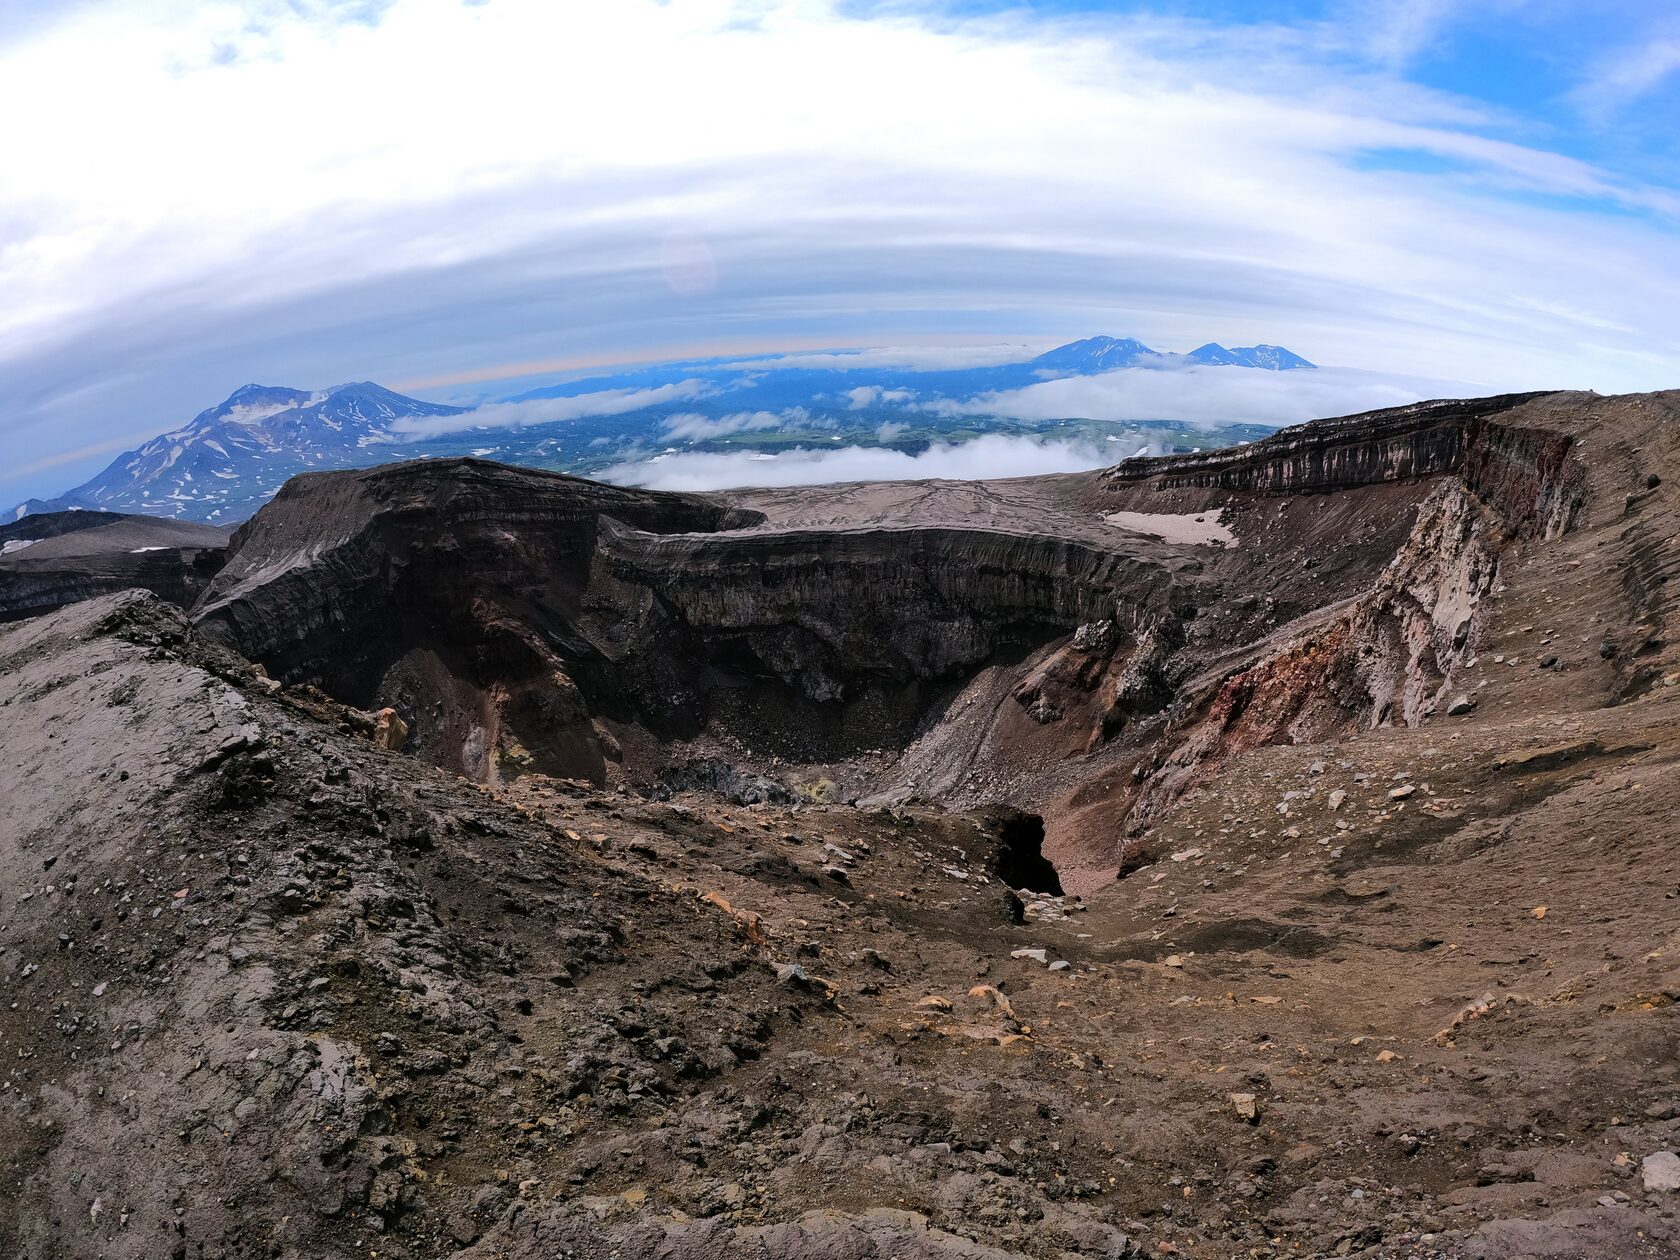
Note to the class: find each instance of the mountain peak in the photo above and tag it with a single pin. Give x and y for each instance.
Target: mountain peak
(1094, 354)
(230, 459)
(361, 389)
(1267, 357)
(1275, 358)
(254, 395)
(1214, 355)
(1105, 354)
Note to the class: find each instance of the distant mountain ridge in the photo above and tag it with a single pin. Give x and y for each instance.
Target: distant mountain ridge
(230, 459)
(1105, 354)
(1269, 358)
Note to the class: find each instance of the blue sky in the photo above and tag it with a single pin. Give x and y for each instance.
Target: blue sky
(441, 195)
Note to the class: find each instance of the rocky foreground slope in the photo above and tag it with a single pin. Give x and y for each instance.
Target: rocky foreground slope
(1376, 722)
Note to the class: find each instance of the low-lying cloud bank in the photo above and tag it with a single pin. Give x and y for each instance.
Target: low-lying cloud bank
(516, 415)
(984, 458)
(1206, 395)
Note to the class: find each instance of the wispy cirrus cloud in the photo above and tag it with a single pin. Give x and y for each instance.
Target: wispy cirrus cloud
(928, 358)
(1618, 78)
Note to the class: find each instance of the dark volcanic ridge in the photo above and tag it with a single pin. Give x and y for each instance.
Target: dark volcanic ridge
(692, 898)
(57, 558)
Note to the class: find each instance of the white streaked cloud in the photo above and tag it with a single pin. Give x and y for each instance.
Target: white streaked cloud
(1618, 78)
(931, 358)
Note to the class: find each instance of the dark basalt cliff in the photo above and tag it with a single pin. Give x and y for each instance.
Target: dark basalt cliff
(1521, 469)
(534, 613)
(61, 558)
(821, 608)
(341, 567)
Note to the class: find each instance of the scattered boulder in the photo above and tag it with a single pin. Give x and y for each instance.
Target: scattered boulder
(1661, 1172)
(390, 732)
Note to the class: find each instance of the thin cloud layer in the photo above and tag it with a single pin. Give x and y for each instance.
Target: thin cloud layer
(983, 459)
(516, 415)
(695, 427)
(930, 358)
(1206, 395)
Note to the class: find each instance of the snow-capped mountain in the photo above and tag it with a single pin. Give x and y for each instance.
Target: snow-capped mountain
(1094, 354)
(1270, 358)
(1106, 354)
(229, 460)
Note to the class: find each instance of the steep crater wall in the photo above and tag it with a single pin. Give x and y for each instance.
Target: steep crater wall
(50, 560)
(1524, 470)
(816, 608)
(528, 621)
(343, 571)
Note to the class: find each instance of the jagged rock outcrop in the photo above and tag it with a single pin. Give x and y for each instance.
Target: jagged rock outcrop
(1392, 656)
(1497, 446)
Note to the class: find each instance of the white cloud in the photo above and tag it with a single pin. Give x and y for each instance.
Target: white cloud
(869, 395)
(114, 203)
(696, 427)
(983, 458)
(516, 415)
(890, 430)
(1207, 395)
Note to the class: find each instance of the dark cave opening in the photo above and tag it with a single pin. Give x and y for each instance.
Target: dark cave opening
(1020, 861)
